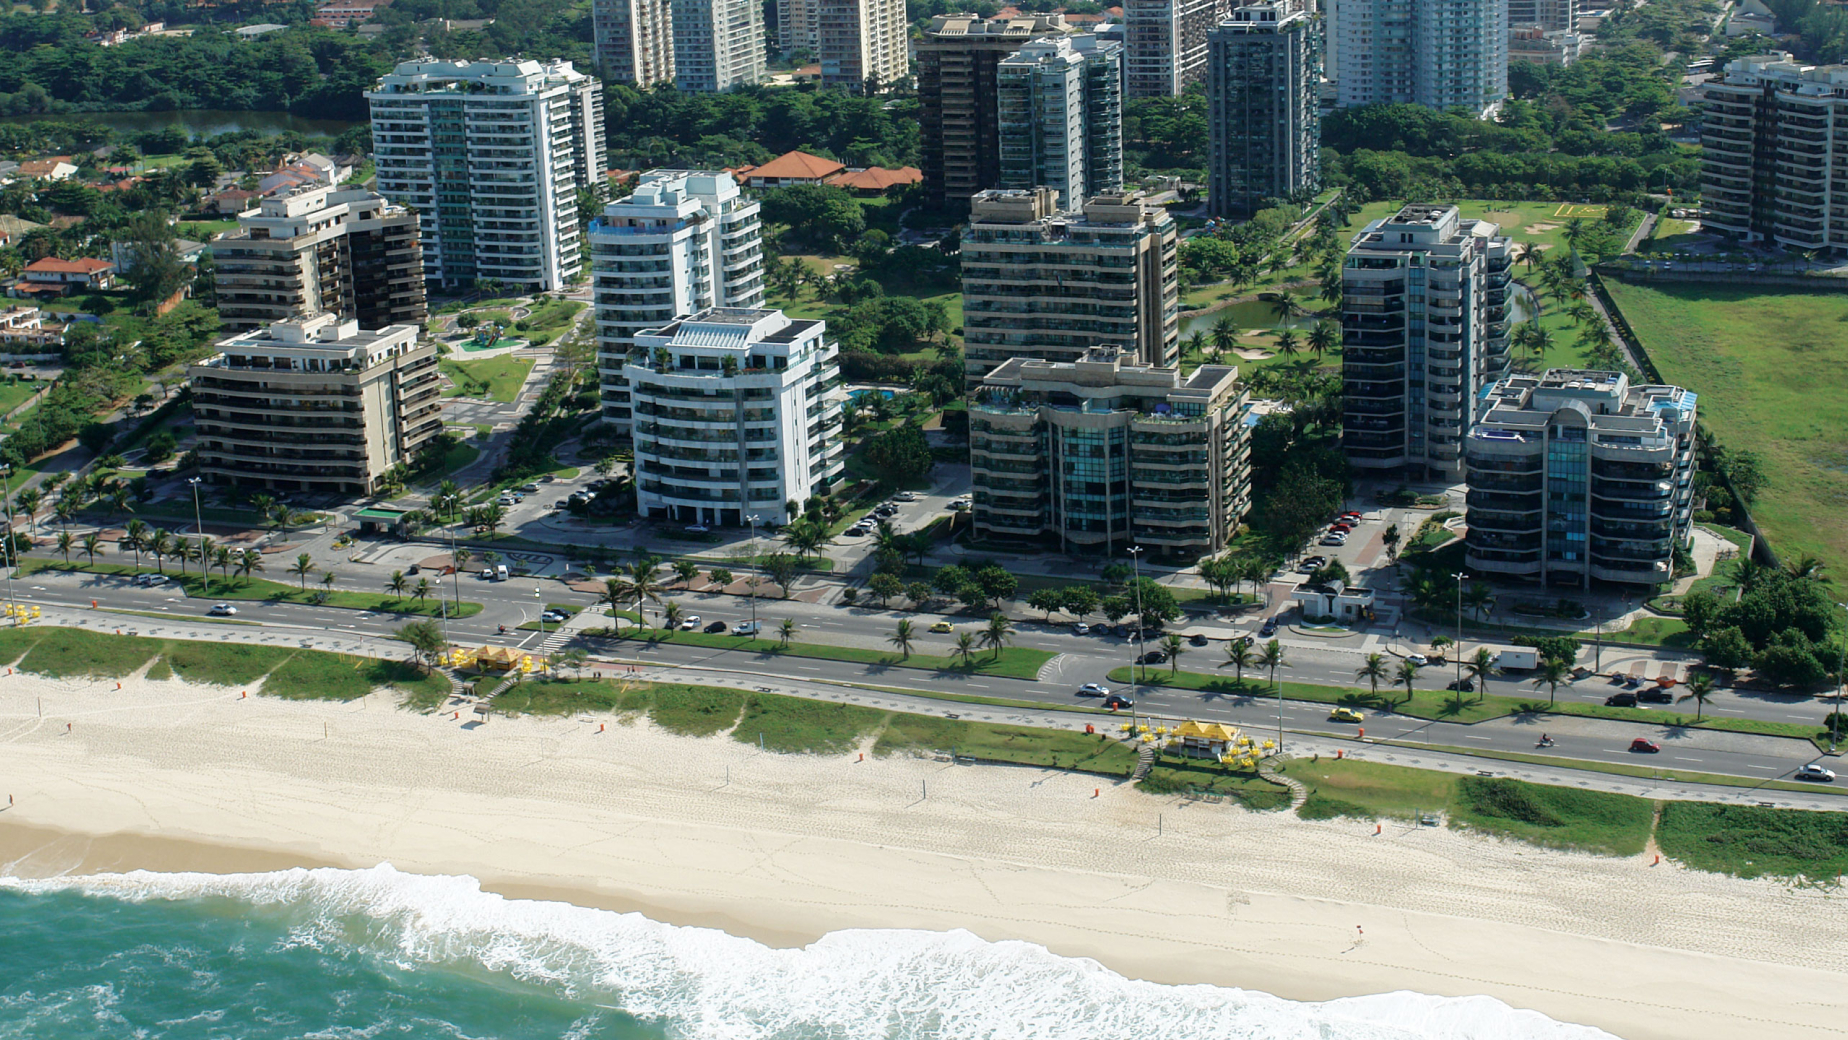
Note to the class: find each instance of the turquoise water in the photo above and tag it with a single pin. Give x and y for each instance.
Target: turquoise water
(343, 955)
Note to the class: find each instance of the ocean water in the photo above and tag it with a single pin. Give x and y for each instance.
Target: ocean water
(348, 954)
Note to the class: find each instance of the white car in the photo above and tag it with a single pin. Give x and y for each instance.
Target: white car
(1092, 689)
(745, 628)
(906, 496)
(1419, 660)
(690, 623)
(222, 610)
(1334, 539)
(1081, 629)
(1816, 771)
(697, 529)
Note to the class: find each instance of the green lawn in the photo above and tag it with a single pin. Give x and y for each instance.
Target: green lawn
(13, 393)
(495, 378)
(1541, 222)
(1559, 817)
(1751, 841)
(1173, 774)
(296, 673)
(243, 588)
(1771, 369)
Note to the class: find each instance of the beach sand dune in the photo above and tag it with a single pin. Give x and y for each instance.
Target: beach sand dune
(785, 848)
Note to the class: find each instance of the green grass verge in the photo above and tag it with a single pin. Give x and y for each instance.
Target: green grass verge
(1022, 745)
(296, 673)
(244, 589)
(1558, 817)
(1771, 367)
(495, 378)
(1752, 841)
(1176, 775)
(1011, 663)
(800, 724)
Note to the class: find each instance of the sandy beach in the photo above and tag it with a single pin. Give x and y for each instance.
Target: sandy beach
(784, 848)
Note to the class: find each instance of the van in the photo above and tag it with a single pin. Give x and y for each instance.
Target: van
(500, 572)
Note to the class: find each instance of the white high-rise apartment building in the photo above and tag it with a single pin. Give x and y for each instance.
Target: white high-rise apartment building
(1551, 15)
(686, 241)
(1059, 112)
(491, 155)
(634, 40)
(1424, 330)
(737, 415)
(718, 44)
(1773, 165)
(1164, 44)
(863, 42)
(1437, 53)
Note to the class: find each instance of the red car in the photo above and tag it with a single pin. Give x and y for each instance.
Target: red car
(1639, 744)
(1341, 525)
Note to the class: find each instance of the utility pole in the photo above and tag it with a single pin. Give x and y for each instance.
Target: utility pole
(1458, 650)
(199, 525)
(755, 562)
(1135, 560)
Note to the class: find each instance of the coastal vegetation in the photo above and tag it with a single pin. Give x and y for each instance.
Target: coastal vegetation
(235, 583)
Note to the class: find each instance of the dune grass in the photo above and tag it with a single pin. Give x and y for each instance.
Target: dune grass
(799, 724)
(1753, 841)
(1023, 745)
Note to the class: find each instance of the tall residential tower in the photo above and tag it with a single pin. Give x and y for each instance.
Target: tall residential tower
(864, 44)
(1437, 53)
(1772, 168)
(1061, 117)
(718, 44)
(1263, 77)
(1164, 45)
(633, 40)
(491, 155)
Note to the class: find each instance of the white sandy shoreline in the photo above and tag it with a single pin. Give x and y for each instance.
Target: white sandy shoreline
(169, 777)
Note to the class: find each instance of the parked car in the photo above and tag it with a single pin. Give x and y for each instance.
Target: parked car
(529, 488)
(1816, 772)
(487, 574)
(1197, 639)
(1117, 700)
(152, 579)
(745, 628)
(697, 529)
(1334, 539)
(855, 532)
(554, 617)
(942, 626)
(1346, 715)
(222, 610)
(1647, 746)
(1417, 659)
(1620, 700)
(1079, 628)
(1092, 689)
(1311, 563)
(1269, 627)
(1122, 631)
(690, 623)
(906, 496)
(716, 626)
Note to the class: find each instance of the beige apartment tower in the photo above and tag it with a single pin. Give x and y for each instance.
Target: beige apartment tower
(315, 404)
(1102, 454)
(344, 251)
(633, 40)
(1043, 283)
(864, 44)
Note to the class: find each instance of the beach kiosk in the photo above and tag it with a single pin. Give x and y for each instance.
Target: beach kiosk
(1204, 739)
(497, 659)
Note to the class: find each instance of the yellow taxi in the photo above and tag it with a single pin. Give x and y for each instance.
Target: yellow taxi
(943, 626)
(1346, 715)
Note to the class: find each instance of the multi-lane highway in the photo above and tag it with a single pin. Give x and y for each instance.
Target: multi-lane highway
(1079, 660)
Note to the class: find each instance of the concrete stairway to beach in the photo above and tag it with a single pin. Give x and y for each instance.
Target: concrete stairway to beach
(1145, 761)
(1299, 792)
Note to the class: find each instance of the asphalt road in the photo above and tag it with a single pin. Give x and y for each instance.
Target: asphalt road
(1083, 659)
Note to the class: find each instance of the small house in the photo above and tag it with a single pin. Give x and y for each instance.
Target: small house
(1212, 740)
(1334, 601)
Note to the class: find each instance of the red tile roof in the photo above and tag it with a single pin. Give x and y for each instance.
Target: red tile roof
(798, 166)
(876, 178)
(86, 265)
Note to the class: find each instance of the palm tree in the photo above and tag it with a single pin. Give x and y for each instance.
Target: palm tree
(1284, 306)
(327, 583)
(448, 496)
(901, 638)
(1481, 668)
(671, 616)
(1527, 253)
(1807, 567)
(686, 571)
(1175, 646)
(1287, 345)
(965, 646)
(302, 567)
(1373, 671)
(397, 584)
(29, 501)
(248, 562)
(422, 591)
(786, 631)
(160, 544)
(137, 538)
(615, 593)
(1478, 599)
(65, 541)
(1225, 334)
(1407, 674)
(1196, 343)
(644, 581)
(1272, 658)
(1240, 656)
(1553, 671)
(1700, 688)
(222, 557)
(1324, 337)
(999, 633)
(461, 559)
(93, 546)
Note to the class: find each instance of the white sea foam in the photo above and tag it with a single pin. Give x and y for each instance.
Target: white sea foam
(861, 983)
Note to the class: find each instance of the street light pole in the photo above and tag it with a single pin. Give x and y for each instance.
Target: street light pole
(1459, 576)
(755, 562)
(199, 525)
(1835, 718)
(1135, 562)
(12, 556)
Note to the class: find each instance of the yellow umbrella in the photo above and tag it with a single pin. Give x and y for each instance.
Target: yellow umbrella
(1142, 729)
(1269, 745)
